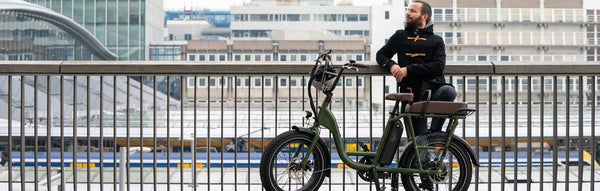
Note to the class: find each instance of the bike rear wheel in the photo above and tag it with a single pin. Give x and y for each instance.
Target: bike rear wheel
(456, 172)
(279, 168)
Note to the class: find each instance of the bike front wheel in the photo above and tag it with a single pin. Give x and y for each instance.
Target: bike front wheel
(281, 161)
(456, 171)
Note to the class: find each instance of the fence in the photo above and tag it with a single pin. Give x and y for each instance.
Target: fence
(202, 126)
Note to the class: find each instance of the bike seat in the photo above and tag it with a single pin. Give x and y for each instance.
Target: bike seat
(400, 97)
(439, 107)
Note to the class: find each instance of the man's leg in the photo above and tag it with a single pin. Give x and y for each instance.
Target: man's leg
(444, 93)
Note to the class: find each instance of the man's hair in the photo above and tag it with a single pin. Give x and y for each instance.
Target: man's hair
(425, 9)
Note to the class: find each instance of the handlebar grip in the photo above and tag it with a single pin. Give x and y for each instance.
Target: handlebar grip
(360, 65)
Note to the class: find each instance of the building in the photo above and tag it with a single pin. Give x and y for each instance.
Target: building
(284, 51)
(31, 32)
(125, 28)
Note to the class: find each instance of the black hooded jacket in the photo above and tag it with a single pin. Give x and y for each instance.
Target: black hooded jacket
(421, 52)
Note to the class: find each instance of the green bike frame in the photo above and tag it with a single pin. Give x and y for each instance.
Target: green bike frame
(326, 119)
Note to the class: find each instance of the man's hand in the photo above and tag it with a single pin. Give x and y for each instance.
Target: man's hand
(398, 72)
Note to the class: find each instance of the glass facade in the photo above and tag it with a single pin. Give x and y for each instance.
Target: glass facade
(27, 38)
(118, 24)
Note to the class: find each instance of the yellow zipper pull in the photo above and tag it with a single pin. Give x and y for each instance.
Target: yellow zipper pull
(417, 38)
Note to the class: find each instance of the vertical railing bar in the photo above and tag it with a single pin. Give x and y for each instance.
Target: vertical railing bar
(555, 132)
(75, 139)
(208, 143)
(10, 135)
(594, 144)
(371, 119)
(181, 137)
(87, 110)
(22, 157)
(222, 128)
(235, 79)
(194, 142)
(276, 89)
(464, 99)
(529, 139)
(568, 130)
(101, 133)
(114, 132)
(516, 130)
(48, 133)
(262, 113)
(127, 175)
(356, 127)
(154, 130)
(35, 132)
(477, 130)
(490, 147)
(249, 134)
(168, 133)
(503, 142)
(580, 166)
(542, 127)
(343, 126)
(141, 133)
(62, 134)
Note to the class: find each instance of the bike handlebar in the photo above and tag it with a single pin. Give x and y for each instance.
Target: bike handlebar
(360, 65)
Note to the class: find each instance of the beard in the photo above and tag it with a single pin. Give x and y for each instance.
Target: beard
(414, 22)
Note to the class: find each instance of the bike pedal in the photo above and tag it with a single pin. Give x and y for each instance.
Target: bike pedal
(363, 146)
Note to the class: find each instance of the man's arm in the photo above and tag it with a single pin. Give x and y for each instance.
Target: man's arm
(385, 54)
(433, 68)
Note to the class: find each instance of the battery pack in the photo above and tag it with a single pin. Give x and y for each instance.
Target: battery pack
(391, 146)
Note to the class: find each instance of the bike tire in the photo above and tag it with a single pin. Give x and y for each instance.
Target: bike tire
(458, 165)
(276, 163)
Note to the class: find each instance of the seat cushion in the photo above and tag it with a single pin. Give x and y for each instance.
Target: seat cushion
(400, 97)
(438, 107)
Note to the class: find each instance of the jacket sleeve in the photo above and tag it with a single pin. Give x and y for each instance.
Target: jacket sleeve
(433, 68)
(385, 54)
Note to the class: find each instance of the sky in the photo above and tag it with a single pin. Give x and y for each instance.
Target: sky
(225, 4)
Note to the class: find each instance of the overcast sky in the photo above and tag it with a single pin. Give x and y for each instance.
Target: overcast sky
(225, 4)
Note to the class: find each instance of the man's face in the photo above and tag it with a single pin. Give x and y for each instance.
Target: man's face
(413, 16)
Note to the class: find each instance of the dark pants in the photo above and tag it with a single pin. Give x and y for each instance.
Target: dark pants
(443, 93)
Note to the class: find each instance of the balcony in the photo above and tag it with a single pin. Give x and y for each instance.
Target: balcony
(202, 125)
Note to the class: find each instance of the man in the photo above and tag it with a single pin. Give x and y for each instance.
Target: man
(421, 61)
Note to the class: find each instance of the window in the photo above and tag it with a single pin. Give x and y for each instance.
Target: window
(349, 82)
(338, 58)
(267, 57)
(201, 57)
(481, 58)
(359, 82)
(364, 17)
(202, 82)
(192, 57)
(293, 83)
(359, 57)
(503, 58)
(187, 37)
(237, 57)
(222, 58)
(222, 82)
(282, 82)
(387, 15)
(212, 57)
(348, 57)
(283, 57)
(247, 57)
(268, 82)
(303, 57)
(293, 57)
(190, 82)
(257, 82)
(257, 57)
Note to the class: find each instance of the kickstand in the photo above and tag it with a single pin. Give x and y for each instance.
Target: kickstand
(374, 172)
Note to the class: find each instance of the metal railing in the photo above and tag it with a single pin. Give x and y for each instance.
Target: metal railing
(202, 126)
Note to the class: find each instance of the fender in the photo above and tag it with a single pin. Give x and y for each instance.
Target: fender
(322, 143)
(444, 135)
